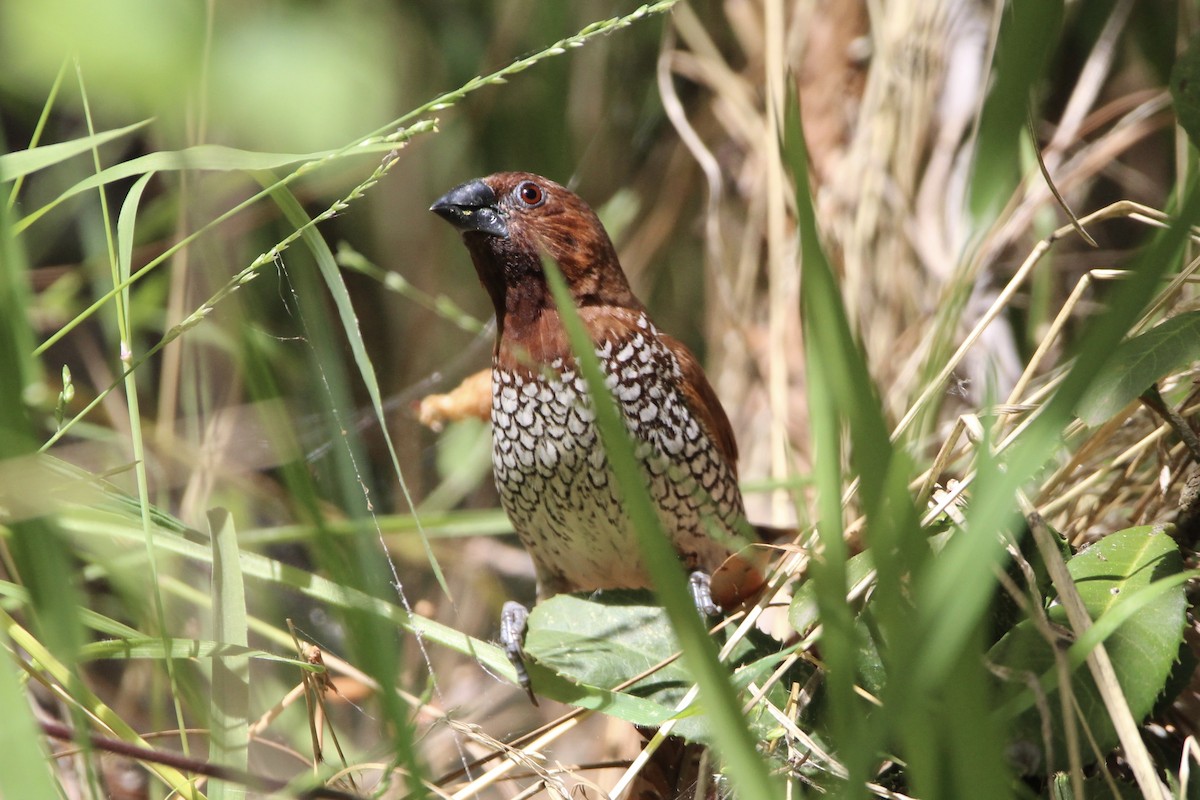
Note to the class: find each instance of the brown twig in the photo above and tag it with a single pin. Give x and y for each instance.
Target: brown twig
(1154, 401)
(57, 730)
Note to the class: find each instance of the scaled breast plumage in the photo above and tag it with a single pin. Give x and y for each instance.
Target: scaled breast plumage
(555, 481)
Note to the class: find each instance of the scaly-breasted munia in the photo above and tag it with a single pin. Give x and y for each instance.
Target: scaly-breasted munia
(553, 475)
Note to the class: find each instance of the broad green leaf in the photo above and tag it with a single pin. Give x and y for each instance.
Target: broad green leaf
(1140, 362)
(602, 641)
(605, 640)
(1128, 569)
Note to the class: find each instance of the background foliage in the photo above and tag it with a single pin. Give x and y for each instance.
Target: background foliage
(220, 289)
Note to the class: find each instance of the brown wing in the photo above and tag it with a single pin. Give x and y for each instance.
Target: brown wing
(703, 402)
(605, 322)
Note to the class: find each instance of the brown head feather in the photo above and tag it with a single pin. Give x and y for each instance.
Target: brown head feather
(540, 219)
(514, 219)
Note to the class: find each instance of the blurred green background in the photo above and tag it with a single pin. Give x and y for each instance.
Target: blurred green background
(927, 196)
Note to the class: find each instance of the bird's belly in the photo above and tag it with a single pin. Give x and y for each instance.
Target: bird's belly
(557, 487)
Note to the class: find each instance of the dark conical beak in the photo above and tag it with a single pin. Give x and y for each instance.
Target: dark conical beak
(472, 206)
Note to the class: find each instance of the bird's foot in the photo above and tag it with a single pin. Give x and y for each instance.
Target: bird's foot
(514, 618)
(700, 584)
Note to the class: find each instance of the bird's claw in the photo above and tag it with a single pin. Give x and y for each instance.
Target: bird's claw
(701, 586)
(514, 619)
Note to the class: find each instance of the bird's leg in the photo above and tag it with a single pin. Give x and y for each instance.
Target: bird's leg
(514, 618)
(700, 584)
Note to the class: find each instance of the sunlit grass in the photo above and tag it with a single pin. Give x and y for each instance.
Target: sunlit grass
(220, 310)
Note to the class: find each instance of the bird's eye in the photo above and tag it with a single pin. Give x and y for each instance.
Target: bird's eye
(530, 194)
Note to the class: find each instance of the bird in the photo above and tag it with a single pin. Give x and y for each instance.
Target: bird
(550, 467)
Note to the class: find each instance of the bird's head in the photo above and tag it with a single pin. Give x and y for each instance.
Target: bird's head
(511, 220)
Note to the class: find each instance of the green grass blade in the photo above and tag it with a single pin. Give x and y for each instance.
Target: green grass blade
(140, 646)
(229, 709)
(24, 766)
(120, 253)
(327, 264)
(126, 223)
(500, 76)
(920, 718)
(829, 578)
(211, 157)
(35, 545)
(993, 504)
(111, 529)
(1028, 33)
(376, 645)
(736, 744)
(393, 141)
(20, 163)
(24, 770)
(38, 130)
(91, 704)
(961, 576)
